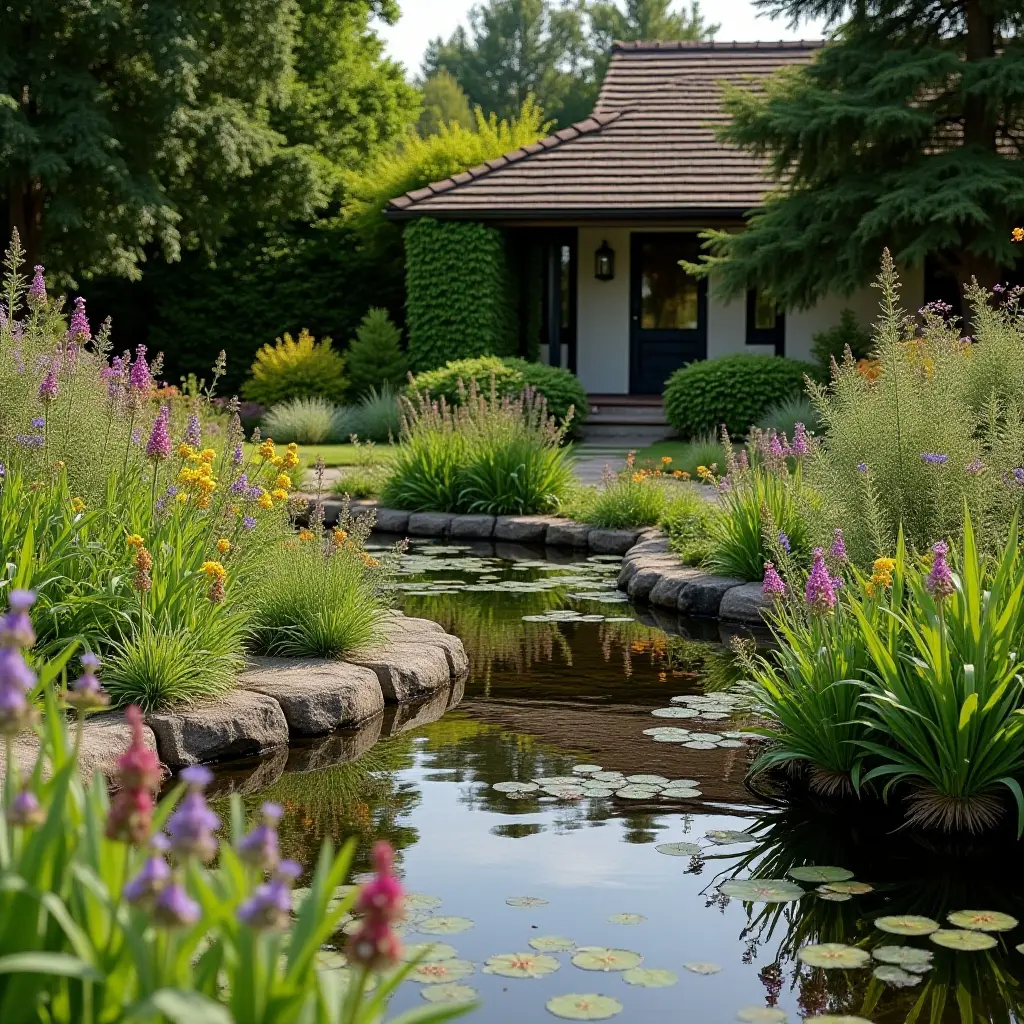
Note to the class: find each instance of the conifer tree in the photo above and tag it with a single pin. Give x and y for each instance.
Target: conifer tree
(375, 356)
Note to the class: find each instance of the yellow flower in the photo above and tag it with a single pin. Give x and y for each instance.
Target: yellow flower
(223, 545)
(135, 541)
(266, 449)
(292, 449)
(279, 494)
(277, 461)
(206, 484)
(666, 459)
(638, 478)
(291, 460)
(266, 502)
(214, 570)
(181, 497)
(881, 575)
(207, 455)
(372, 562)
(305, 535)
(339, 535)
(1017, 234)
(284, 480)
(186, 451)
(203, 501)
(77, 505)
(234, 510)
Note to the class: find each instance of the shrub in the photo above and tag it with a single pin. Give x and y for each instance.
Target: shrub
(302, 420)
(361, 481)
(832, 344)
(296, 368)
(785, 415)
(560, 388)
(378, 416)
(626, 500)
(687, 520)
(733, 392)
(375, 358)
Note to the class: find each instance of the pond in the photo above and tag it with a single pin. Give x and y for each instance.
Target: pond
(639, 817)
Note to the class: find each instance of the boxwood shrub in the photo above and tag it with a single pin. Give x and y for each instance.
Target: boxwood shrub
(559, 387)
(734, 391)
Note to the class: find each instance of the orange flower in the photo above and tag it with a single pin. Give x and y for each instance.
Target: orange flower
(1017, 234)
(666, 459)
(305, 535)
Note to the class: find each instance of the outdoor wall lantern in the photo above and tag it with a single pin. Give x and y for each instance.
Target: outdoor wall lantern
(604, 262)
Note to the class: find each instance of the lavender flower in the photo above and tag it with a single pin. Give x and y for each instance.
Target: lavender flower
(16, 679)
(801, 442)
(31, 441)
(194, 432)
(25, 810)
(775, 448)
(16, 626)
(248, 523)
(773, 585)
(820, 590)
(152, 877)
(174, 908)
(158, 448)
(838, 551)
(139, 377)
(37, 289)
(48, 388)
(270, 905)
(86, 692)
(241, 485)
(940, 580)
(742, 461)
(934, 458)
(191, 826)
(38, 423)
(79, 330)
(862, 467)
(237, 455)
(784, 542)
(136, 436)
(260, 846)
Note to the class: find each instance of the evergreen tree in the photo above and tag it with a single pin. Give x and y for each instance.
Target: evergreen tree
(444, 102)
(375, 356)
(904, 132)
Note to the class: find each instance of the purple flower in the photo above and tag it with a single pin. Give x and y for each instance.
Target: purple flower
(37, 289)
(191, 826)
(16, 626)
(862, 467)
(248, 523)
(775, 447)
(838, 551)
(784, 542)
(260, 847)
(139, 377)
(152, 877)
(158, 448)
(270, 905)
(25, 810)
(241, 485)
(742, 461)
(254, 494)
(801, 442)
(48, 388)
(16, 679)
(35, 441)
(820, 591)
(237, 456)
(79, 330)
(940, 580)
(174, 908)
(773, 585)
(38, 423)
(136, 436)
(974, 467)
(933, 458)
(86, 691)
(194, 431)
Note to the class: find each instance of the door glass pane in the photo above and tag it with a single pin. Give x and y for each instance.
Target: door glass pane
(668, 295)
(566, 268)
(765, 311)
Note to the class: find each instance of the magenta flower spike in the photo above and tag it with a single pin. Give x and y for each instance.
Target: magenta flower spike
(48, 388)
(37, 289)
(158, 447)
(139, 376)
(79, 331)
(773, 586)
(838, 551)
(940, 579)
(820, 592)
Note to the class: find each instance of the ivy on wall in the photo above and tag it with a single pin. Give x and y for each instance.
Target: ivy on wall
(459, 287)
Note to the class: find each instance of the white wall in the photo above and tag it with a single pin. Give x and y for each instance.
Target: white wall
(602, 315)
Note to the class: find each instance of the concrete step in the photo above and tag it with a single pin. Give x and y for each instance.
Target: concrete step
(631, 434)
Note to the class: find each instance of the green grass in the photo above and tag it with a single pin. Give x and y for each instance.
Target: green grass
(685, 455)
(340, 454)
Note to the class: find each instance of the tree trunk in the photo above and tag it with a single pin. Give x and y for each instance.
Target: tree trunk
(25, 215)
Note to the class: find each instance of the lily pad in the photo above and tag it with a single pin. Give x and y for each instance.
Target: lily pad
(608, 777)
(656, 781)
(893, 975)
(429, 952)
(849, 888)
(908, 957)
(600, 958)
(515, 787)
(441, 971)
(962, 940)
(675, 712)
(596, 793)
(833, 954)
(702, 967)
(762, 1015)
(982, 920)
(418, 901)
(680, 793)
(585, 769)
(566, 792)
(683, 784)
(730, 744)
(832, 1018)
(527, 902)
(552, 944)
(815, 873)
(521, 965)
(700, 745)
(678, 849)
(832, 897)
(636, 793)
(589, 1006)
(907, 924)
(443, 925)
(559, 780)
(762, 890)
(626, 918)
(449, 993)
(650, 977)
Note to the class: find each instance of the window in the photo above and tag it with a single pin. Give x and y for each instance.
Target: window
(766, 323)
(668, 294)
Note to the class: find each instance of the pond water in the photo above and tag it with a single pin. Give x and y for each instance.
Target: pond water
(567, 675)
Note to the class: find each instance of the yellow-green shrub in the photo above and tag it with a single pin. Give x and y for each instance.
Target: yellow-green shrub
(296, 368)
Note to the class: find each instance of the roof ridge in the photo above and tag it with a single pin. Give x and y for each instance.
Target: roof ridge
(711, 44)
(594, 123)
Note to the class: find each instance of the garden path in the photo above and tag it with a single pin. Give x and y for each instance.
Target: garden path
(591, 459)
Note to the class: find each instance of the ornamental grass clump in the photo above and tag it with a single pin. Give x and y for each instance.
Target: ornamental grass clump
(634, 497)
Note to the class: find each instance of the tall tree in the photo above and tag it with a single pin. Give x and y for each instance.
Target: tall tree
(905, 132)
(444, 102)
(649, 20)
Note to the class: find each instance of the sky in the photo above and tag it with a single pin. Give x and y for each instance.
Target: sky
(423, 20)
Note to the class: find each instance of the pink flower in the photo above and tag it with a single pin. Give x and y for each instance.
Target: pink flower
(48, 388)
(773, 586)
(801, 442)
(820, 591)
(79, 331)
(158, 447)
(139, 378)
(940, 580)
(838, 551)
(37, 289)
(375, 944)
(138, 774)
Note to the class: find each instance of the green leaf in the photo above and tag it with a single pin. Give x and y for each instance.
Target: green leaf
(61, 965)
(967, 711)
(180, 1006)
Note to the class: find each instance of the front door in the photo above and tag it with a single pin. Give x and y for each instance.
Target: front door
(668, 309)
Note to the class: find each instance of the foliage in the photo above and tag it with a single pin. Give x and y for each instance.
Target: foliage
(304, 421)
(361, 482)
(444, 102)
(687, 520)
(378, 416)
(635, 497)
(783, 416)
(832, 344)
(704, 450)
(858, 143)
(733, 392)
(560, 388)
(296, 368)
(492, 454)
(375, 357)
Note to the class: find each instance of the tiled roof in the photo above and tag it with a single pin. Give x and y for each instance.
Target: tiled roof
(649, 148)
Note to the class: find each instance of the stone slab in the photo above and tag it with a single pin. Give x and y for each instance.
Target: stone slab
(643, 581)
(316, 695)
(337, 748)
(744, 604)
(665, 593)
(396, 624)
(564, 533)
(429, 524)
(477, 526)
(239, 724)
(391, 520)
(703, 596)
(525, 529)
(407, 670)
(425, 631)
(414, 714)
(650, 546)
(611, 542)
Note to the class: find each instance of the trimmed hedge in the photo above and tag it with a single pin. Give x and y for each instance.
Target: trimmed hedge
(458, 301)
(559, 387)
(734, 391)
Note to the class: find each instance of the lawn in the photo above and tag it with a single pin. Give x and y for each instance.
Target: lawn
(343, 454)
(685, 455)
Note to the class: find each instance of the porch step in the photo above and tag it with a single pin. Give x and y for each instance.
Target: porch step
(628, 419)
(632, 435)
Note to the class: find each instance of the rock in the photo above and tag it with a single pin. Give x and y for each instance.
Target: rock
(702, 596)
(391, 520)
(317, 695)
(397, 624)
(472, 526)
(363, 507)
(429, 524)
(414, 714)
(564, 533)
(744, 604)
(239, 724)
(657, 545)
(456, 693)
(611, 542)
(665, 593)
(525, 529)
(430, 633)
(407, 670)
(267, 772)
(651, 533)
(332, 510)
(338, 748)
(644, 581)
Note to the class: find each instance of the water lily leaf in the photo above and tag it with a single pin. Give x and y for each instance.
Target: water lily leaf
(521, 965)
(850, 888)
(584, 1007)
(636, 793)
(664, 737)
(680, 793)
(655, 781)
(595, 792)
(726, 836)
(982, 920)
(527, 902)
(907, 924)
(896, 976)
(762, 1015)
(585, 769)
(450, 993)
(330, 959)
(702, 967)
(515, 787)
(678, 849)
(714, 716)
(443, 925)
(832, 1018)
(908, 957)
(683, 784)
(418, 901)
(626, 918)
(833, 954)
(833, 897)
(962, 940)
(699, 745)
(730, 744)
(762, 890)
(650, 977)
(668, 732)
(676, 712)
(815, 873)
(608, 777)
(429, 952)
(441, 971)
(560, 780)
(552, 944)
(566, 792)
(600, 958)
